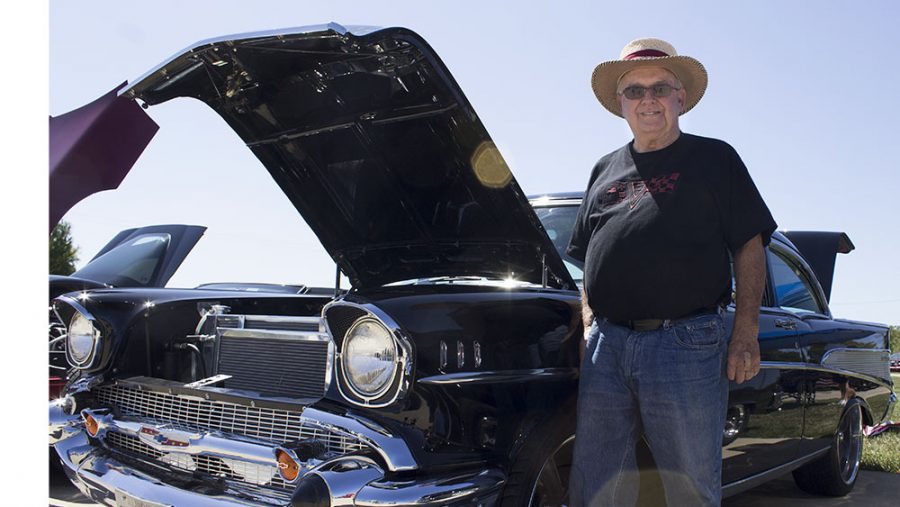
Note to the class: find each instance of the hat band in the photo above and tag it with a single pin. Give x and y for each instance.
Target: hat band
(645, 53)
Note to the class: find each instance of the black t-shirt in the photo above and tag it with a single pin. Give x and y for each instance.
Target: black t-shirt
(656, 229)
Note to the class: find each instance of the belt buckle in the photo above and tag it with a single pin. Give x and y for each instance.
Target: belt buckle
(647, 324)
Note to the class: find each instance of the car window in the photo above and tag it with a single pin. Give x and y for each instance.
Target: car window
(131, 263)
(792, 289)
(558, 222)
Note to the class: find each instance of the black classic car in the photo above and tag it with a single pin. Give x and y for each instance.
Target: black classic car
(447, 373)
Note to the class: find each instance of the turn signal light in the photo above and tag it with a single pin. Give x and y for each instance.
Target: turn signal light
(287, 467)
(91, 425)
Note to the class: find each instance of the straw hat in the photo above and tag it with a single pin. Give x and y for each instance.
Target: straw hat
(648, 53)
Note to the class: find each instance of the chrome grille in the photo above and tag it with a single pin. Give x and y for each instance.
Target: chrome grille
(251, 473)
(270, 424)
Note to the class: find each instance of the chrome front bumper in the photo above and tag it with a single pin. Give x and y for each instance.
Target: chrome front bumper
(344, 481)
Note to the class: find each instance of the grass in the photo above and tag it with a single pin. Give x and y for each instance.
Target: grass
(881, 453)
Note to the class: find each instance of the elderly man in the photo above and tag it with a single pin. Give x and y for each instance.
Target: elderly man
(662, 220)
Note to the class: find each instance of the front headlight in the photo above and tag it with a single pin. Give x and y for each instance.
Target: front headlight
(81, 342)
(369, 358)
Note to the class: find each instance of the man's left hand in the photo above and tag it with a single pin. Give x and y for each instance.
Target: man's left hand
(743, 354)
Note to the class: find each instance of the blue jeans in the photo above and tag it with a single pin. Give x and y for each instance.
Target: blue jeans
(669, 385)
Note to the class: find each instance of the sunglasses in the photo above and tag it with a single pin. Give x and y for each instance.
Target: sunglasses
(635, 92)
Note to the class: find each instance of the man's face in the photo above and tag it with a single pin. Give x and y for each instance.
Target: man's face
(652, 118)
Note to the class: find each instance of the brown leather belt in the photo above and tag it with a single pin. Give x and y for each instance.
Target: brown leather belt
(654, 324)
(644, 324)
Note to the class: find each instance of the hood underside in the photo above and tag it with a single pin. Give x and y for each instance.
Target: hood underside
(373, 142)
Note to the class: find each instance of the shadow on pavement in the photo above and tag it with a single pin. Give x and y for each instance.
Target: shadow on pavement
(873, 489)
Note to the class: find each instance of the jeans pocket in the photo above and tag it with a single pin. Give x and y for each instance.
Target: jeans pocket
(700, 333)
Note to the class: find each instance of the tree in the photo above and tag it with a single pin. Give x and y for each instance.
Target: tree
(63, 252)
(895, 338)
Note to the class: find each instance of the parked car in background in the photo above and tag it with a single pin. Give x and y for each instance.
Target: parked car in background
(895, 362)
(447, 373)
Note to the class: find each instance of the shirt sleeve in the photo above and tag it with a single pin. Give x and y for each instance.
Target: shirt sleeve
(745, 212)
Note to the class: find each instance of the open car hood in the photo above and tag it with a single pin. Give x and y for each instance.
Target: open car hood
(820, 248)
(93, 147)
(371, 139)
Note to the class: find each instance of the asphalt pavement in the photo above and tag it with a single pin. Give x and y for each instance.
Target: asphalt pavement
(873, 489)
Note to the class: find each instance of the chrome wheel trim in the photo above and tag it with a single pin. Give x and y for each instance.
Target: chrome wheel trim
(848, 444)
(549, 478)
(734, 421)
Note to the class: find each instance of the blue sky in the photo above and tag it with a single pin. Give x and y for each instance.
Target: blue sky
(802, 90)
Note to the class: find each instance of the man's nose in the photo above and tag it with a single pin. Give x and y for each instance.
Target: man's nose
(648, 96)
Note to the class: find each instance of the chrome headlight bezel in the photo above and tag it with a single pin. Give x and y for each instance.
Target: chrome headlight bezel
(82, 340)
(342, 315)
(348, 373)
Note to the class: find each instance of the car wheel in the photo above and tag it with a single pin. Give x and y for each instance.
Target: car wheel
(539, 477)
(735, 422)
(835, 473)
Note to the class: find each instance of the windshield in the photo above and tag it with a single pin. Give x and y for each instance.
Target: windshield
(559, 221)
(132, 264)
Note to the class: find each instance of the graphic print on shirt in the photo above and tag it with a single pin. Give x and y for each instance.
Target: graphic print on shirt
(635, 190)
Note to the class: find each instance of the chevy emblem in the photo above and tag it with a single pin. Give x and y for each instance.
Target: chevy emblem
(165, 437)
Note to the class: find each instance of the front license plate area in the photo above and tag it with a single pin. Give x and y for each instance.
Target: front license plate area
(124, 499)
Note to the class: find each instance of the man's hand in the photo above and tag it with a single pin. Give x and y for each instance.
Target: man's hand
(587, 319)
(743, 353)
(749, 281)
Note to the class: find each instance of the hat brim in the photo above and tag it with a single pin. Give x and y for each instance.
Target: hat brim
(689, 71)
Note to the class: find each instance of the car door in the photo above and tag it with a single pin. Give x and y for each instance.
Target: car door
(765, 415)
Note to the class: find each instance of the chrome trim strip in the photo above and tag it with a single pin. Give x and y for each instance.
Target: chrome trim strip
(501, 376)
(843, 359)
(77, 306)
(392, 449)
(733, 488)
(843, 350)
(892, 400)
(823, 368)
(273, 334)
